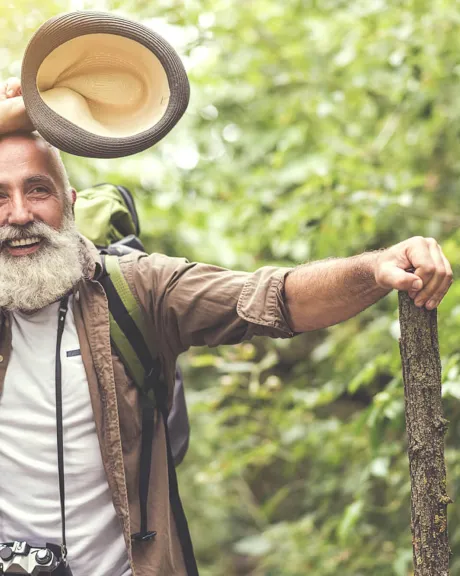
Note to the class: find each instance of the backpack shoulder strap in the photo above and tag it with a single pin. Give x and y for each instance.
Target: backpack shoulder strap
(127, 334)
(127, 325)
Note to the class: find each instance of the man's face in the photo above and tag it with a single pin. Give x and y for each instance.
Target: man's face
(31, 190)
(41, 256)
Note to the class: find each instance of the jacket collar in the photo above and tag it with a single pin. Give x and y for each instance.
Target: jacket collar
(93, 263)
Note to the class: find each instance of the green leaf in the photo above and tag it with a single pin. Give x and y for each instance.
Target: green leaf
(257, 545)
(349, 520)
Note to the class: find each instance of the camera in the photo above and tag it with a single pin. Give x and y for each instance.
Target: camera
(21, 558)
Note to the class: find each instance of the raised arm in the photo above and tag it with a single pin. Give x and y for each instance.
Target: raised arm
(327, 292)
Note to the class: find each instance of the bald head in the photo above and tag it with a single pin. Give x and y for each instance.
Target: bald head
(20, 148)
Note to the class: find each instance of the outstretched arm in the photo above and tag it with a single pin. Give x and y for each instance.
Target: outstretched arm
(327, 292)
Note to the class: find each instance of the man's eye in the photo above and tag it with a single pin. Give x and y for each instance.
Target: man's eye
(39, 190)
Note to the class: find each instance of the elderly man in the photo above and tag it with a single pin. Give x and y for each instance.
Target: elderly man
(43, 259)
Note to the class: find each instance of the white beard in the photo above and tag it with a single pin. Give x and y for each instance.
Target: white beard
(33, 281)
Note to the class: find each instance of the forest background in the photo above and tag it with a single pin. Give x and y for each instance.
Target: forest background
(316, 129)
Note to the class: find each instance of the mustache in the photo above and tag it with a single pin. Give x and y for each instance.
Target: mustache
(23, 232)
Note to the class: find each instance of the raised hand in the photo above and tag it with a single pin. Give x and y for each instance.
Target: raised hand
(11, 88)
(13, 115)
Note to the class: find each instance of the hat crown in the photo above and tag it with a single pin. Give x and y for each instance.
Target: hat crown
(108, 85)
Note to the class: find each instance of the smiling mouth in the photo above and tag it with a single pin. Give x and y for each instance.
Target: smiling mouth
(23, 242)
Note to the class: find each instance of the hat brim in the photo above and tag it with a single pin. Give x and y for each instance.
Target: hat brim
(69, 136)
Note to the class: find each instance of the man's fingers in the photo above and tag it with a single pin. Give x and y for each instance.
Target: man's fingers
(14, 87)
(11, 88)
(435, 265)
(434, 268)
(420, 256)
(436, 298)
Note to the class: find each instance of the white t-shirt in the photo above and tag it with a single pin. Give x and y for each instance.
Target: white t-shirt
(29, 485)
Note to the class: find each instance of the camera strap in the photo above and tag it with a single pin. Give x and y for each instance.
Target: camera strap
(59, 426)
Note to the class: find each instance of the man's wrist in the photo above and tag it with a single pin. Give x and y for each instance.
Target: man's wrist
(361, 271)
(370, 264)
(13, 116)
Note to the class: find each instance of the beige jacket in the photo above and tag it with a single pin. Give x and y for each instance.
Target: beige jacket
(187, 304)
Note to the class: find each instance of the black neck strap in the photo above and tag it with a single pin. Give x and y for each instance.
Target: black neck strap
(60, 443)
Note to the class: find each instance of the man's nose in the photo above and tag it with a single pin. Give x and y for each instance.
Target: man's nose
(20, 212)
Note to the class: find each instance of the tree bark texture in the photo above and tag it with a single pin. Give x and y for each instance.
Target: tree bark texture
(426, 428)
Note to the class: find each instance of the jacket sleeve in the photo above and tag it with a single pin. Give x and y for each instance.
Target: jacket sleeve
(193, 304)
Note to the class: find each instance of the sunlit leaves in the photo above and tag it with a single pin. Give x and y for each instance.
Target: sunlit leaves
(316, 129)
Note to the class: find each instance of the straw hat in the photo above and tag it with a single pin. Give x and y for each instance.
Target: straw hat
(102, 86)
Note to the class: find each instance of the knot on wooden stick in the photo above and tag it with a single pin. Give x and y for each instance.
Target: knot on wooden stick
(414, 447)
(441, 424)
(445, 499)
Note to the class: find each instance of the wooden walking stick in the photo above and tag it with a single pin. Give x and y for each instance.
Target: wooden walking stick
(426, 428)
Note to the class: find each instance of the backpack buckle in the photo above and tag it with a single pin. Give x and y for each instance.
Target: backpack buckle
(143, 536)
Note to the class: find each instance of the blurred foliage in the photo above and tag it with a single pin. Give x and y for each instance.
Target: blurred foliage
(316, 129)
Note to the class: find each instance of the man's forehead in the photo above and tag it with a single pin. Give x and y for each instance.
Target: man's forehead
(20, 157)
(20, 150)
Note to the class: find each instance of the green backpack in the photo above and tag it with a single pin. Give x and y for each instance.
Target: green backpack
(106, 215)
